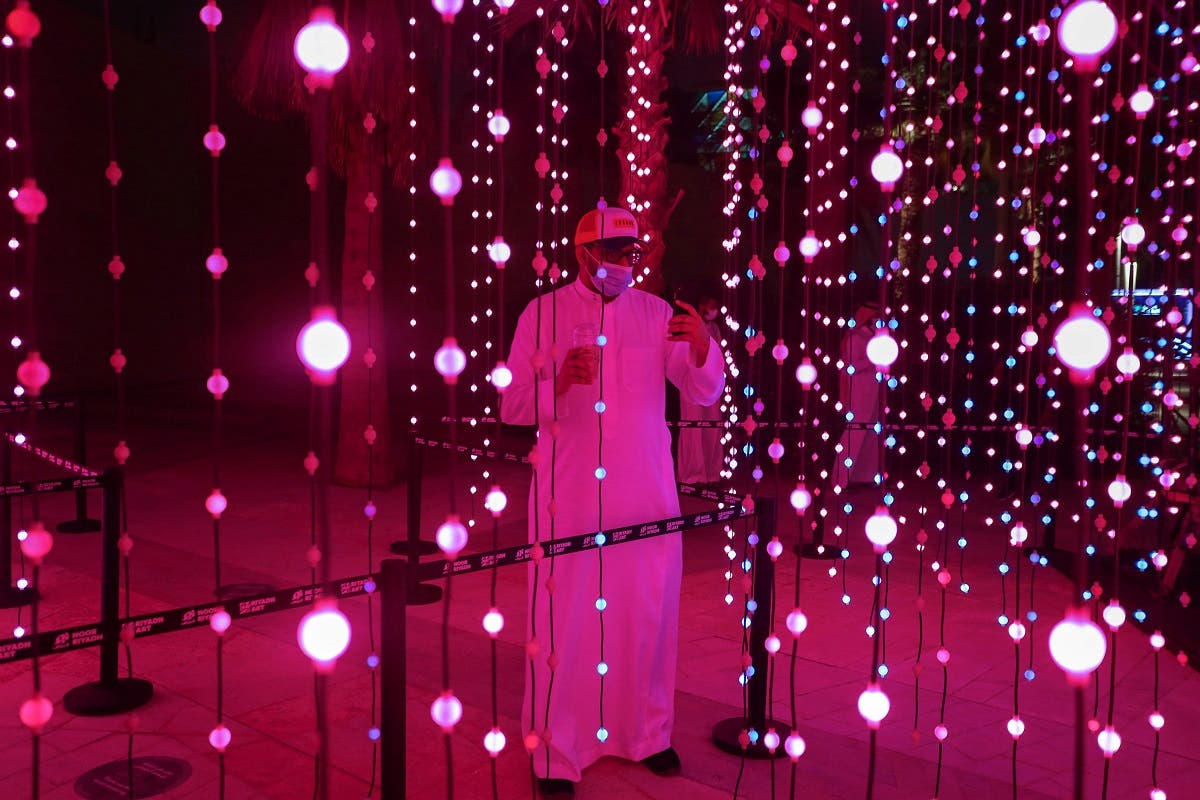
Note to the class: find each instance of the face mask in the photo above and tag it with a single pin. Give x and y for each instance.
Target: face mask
(612, 279)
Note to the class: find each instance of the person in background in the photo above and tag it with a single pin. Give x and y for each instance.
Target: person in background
(590, 363)
(700, 458)
(857, 460)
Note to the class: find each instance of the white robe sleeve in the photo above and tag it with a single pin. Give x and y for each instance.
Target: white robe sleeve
(700, 385)
(528, 400)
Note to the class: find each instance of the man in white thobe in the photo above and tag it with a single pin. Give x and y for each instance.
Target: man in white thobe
(700, 457)
(859, 394)
(596, 341)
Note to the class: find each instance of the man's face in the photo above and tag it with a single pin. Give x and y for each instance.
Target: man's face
(622, 252)
(708, 308)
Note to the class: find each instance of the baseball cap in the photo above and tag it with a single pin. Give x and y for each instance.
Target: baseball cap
(606, 223)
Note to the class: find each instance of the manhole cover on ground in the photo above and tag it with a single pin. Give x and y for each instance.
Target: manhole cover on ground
(151, 775)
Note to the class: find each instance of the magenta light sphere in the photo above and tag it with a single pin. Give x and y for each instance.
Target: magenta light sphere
(797, 622)
(216, 263)
(446, 711)
(214, 140)
(324, 633)
(493, 622)
(811, 117)
(794, 745)
(772, 643)
(782, 254)
(1133, 234)
(1128, 363)
(220, 622)
(450, 360)
(873, 705)
(1157, 794)
(505, 5)
(1086, 30)
(1141, 101)
(1109, 741)
(33, 373)
(494, 741)
(1077, 645)
(37, 543)
(887, 168)
(216, 503)
(806, 373)
(1018, 535)
(1037, 135)
(499, 125)
(220, 737)
(501, 376)
(217, 384)
(323, 344)
(210, 15)
(495, 501)
(771, 740)
(445, 181)
(499, 251)
(881, 529)
(1119, 490)
(779, 352)
(321, 47)
(1113, 615)
(448, 8)
(451, 536)
(1082, 342)
(801, 498)
(810, 245)
(36, 712)
(882, 350)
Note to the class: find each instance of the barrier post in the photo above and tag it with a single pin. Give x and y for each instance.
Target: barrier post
(81, 523)
(727, 734)
(393, 678)
(10, 595)
(413, 547)
(111, 694)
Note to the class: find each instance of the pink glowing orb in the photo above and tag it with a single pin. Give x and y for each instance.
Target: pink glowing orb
(1172, 400)
(450, 360)
(33, 373)
(873, 706)
(451, 536)
(775, 450)
(1119, 490)
(37, 543)
(324, 633)
(779, 352)
(1174, 316)
(220, 622)
(772, 644)
(1128, 363)
(785, 154)
(321, 47)
(217, 384)
(495, 501)
(1018, 535)
(811, 117)
(801, 498)
(1082, 342)
(794, 745)
(940, 732)
(30, 201)
(214, 141)
(219, 738)
(499, 251)
(1109, 741)
(1157, 640)
(1024, 437)
(1113, 615)
(797, 622)
(886, 168)
(494, 741)
(1157, 721)
(1133, 234)
(499, 125)
(23, 24)
(501, 376)
(810, 245)
(493, 622)
(882, 350)
(323, 344)
(1077, 645)
(446, 711)
(1141, 101)
(210, 15)
(1157, 794)
(1016, 631)
(770, 740)
(782, 254)
(35, 712)
(1037, 135)
(448, 8)
(1086, 30)
(881, 529)
(445, 181)
(216, 263)
(505, 5)
(806, 373)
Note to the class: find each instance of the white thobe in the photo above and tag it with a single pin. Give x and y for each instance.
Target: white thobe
(641, 580)
(700, 456)
(859, 391)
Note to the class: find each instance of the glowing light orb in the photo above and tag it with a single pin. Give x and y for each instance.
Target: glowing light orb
(219, 738)
(811, 117)
(220, 622)
(771, 740)
(873, 706)
(1077, 645)
(451, 536)
(886, 168)
(37, 543)
(445, 181)
(33, 373)
(1086, 30)
(775, 450)
(1024, 437)
(1016, 727)
(782, 254)
(1109, 741)
(1128, 363)
(779, 352)
(882, 350)
(499, 251)
(30, 201)
(772, 644)
(447, 8)
(810, 245)
(324, 633)
(1029, 337)
(216, 503)
(216, 263)
(881, 529)
(501, 376)
(1113, 615)
(210, 15)
(1032, 238)
(1156, 721)
(797, 622)
(446, 711)
(323, 343)
(1037, 136)
(1133, 234)
(794, 745)
(495, 501)
(801, 498)
(450, 360)
(1018, 535)
(1016, 631)
(1141, 101)
(806, 373)
(35, 712)
(494, 741)
(499, 126)
(1082, 342)
(321, 47)
(1119, 490)
(493, 622)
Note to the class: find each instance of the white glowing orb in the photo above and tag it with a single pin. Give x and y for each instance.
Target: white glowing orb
(1086, 30)
(1128, 363)
(494, 741)
(886, 168)
(1024, 437)
(1157, 794)
(873, 705)
(1016, 631)
(1109, 741)
(499, 126)
(1077, 645)
(1082, 342)
(1174, 316)
(493, 621)
(810, 245)
(447, 8)
(1018, 535)
(501, 376)
(797, 622)
(445, 181)
(882, 350)
(323, 344)
(794, 745)
(1032, 238)
(801, 498)
(1037, 135)
(1141, 101)
(1029, 337)
(321, 47)
(1015, 727)
(1114, 615)
(779, 352)
(1133, 234)
(449, 360)
(1157, 721)
(881, 529)
(806, 373)
(771, 740)
(495, 501)
(1157, 640)
(220, 621)
(499, 251)
(324, 633)
(446, 711)
(811, 117)
(1119, 490)
(772, 644)
(775, 450)
(451, 536)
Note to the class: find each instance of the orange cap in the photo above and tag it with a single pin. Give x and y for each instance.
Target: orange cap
(606, 223)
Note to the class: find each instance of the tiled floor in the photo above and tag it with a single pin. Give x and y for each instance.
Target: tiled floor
(268, 698)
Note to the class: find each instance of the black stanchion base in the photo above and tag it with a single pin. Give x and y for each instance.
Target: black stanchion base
(78, 526)
(235, 591)
(99, 699)
(12, 597)
(424, 594)
(818, 552)
(726, 733)
(404, 548)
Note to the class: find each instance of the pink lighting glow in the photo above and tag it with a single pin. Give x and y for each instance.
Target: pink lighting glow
(881, 529)
(886, 168)
(1082, 342)
(1086, 30)
(321, 47)
(324, 634)
(882, 350)
(1077, 645)
(323, 345)
(873, 706)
